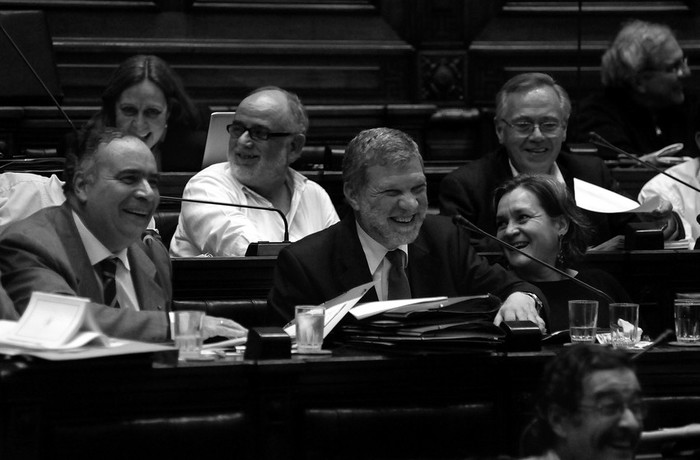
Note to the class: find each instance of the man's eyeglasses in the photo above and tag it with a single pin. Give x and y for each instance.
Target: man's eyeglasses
(525, 127)
(257, 133)
(677, 68)
(615, 407)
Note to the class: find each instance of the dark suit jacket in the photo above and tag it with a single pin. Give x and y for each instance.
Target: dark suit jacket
(615, 115)
(44, 252)
(469, 191)
(441, 262)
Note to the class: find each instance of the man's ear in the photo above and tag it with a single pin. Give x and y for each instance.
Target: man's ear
(351, 197)
(80, 183)
(295, 148)
(499, 130)
(559, 420)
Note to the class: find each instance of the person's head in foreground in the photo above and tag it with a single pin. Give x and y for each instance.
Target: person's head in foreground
(537, 214)
(267, 134)
(532, 113)
(384, 183)
(590, 406)
(646, 59)
(112, 184)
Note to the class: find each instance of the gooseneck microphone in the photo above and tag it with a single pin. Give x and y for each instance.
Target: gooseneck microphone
(259, 248)
(598, 140)
(461, 221)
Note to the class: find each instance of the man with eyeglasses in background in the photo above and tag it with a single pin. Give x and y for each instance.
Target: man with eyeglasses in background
(266, 136)
(590, 407)
(532, 112)
(643, 105)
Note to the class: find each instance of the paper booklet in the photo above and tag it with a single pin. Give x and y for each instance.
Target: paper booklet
(60, 327)
(598, 199)
(336, 309)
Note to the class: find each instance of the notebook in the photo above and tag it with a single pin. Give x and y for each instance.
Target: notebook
(216, 148)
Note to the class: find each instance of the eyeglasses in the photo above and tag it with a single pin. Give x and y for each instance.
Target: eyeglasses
(677, 68)
(257, 133)
(526, 128)
(615, 407)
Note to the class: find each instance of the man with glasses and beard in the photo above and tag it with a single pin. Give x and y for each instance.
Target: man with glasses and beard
(532, 112)
(590, 407)
(266, 136)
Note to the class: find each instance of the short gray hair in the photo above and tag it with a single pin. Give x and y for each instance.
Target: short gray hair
(376, 146)
(634, 49)
(525, 82)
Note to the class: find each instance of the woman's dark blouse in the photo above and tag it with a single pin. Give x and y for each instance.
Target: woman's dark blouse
(558, 294)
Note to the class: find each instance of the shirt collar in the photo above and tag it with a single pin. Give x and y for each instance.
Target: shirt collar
(296, 179)
(556, 172)
(374, 251)
(97, 251)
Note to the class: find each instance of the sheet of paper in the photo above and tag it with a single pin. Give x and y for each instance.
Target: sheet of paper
(336, 309)
(49, 321)
(368, 309)
(598, 199)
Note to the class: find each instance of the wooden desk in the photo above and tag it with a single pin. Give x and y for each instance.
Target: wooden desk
(652, 278)
(351, 405)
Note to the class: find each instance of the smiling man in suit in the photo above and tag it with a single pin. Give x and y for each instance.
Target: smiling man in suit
(111, 194)
(389, 236)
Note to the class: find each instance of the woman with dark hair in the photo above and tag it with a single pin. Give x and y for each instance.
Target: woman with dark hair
(537, 214)
(145, 97)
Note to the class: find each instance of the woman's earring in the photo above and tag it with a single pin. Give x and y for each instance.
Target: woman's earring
(560, 253)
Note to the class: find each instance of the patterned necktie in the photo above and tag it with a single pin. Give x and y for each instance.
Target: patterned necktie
(397, 281)
(109, 282)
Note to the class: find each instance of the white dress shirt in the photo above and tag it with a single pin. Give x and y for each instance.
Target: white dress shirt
(206, 229)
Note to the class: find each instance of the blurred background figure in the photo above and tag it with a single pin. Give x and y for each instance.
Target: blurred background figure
(537, 214)
(145, 98)
(643, 105)
(685, 200)
(590, 407)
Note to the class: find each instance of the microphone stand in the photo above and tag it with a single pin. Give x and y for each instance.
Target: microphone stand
(260, 248)
(599, 141)
(463, 222)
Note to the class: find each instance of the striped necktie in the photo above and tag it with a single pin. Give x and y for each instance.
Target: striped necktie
(397, 281)
(108, 268)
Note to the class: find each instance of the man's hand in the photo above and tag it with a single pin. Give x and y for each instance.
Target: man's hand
(663, 216)
(222, 327)
(519, 307)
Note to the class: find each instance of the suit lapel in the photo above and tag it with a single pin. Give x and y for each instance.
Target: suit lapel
(350, 258)
(86, 280)
(421, 276)
(143, 274)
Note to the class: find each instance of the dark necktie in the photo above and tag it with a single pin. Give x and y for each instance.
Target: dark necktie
(397, 281)
(109, 283)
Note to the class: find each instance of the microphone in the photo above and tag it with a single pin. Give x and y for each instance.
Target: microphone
(653, 344)
(461, 221)
(598, 140)
(260, 248)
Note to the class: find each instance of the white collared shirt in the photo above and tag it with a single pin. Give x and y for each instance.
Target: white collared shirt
(226, 231)
(97, 252)
(556, 172)
(378, 265)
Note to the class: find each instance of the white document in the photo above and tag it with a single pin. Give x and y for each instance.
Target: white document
(368, 309)
(336, 309)
(52, 322)
(598, 199)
